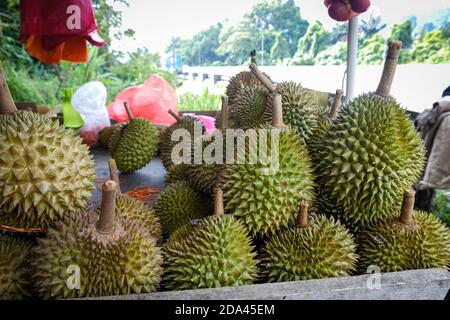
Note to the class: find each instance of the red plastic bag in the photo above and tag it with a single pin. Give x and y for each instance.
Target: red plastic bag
(151, 100)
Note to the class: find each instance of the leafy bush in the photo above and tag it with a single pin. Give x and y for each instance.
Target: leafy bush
(441, 205)
(203, 102)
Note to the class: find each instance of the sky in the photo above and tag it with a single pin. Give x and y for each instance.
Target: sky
(157, 21)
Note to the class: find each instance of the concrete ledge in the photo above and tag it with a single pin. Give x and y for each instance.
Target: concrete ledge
(429, 284)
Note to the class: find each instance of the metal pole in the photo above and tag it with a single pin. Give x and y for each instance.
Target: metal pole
(352, 58)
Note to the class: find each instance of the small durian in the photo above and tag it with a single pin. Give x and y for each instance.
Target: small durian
(176, 173)
(320, 248)
(186, 125)
(104, 136)
(216, 252)
(14, 268)
(178, 204)
(240, 80)
(264, 192)
(372, 153)
(99, 254)
(416, 240)
(133, 209)
(46, 172)
(251, 108)
(137, 144)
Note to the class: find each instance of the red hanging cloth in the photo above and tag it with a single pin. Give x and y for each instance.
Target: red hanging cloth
(53, 30)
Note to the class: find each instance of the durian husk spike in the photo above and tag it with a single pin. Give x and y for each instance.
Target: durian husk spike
(406, 214)
(114, 173)
(390, 65)
(224, 113)
(277, 111)
(128, 110)
(218, 202)
(175, 115)
(262, 78)
(336, 104)
(302, 215)
(105, 224)
(7, 104)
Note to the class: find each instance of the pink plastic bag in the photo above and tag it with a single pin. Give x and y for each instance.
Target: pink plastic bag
(150, 101)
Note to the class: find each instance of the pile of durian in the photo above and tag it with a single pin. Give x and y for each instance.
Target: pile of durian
(341, 198)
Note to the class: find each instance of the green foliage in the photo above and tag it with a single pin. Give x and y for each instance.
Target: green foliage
(371, 50)
(204, 102)
(432, 47)
(403, 32)
(441, 205)
(311, 44)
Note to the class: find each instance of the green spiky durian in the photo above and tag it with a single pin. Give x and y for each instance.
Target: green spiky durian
(14, 268)
(176, 173)
(393, 245)
(266, 200)
(251, 107)
(166, 144)
(216, 253)
(323, 249)
(178, 204)
(299, 109)
(139, 212)
(91, 255)
(372, 155)
(115, 137)
(240, 80)
(45, 171)
(137, 145)
(104, 136)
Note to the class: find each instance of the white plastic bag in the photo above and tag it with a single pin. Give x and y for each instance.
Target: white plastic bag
(90, 101)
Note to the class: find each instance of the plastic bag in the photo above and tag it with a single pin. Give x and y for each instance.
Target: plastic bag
(150, 100)
(90, 100)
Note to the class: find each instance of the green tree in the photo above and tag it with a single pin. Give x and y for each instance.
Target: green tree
(402, 32)
(371, 50)
(432, 47)
(280, 49)
(314, 41)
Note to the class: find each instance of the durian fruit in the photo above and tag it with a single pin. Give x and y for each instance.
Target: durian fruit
(104, 136)
(178, 204)
(240, 80)
(416, 240)
(99, 254)
(176, 173)
(14, 268)
(133, 209)
(371, 153)
(216, 252)
(192, 126)
(45, 171)
(203, 177)
(320, 248)
(115, 137)
(264, 193)
(137, 144)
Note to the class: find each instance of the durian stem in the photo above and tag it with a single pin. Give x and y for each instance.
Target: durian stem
(218, 202)
(114, 173)
(336, 104)
(173, 114)
(224, 113)
(105, 224)
(406, 215)
(127, 109)
(262, 78)
(253, 56)
(277, 111)
(302, 216)
(7, 104)
(390, 65)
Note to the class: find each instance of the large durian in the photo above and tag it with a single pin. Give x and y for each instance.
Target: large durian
(178, 204)
(216, 252)
(371, 153)
(241, 80)
(137, 144)
(91, 255)
(264, 193)
(45, 171)
(14, 268)
(193, 127)
(416, 240)
(320, 248)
